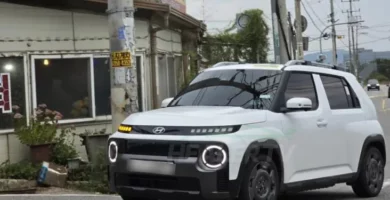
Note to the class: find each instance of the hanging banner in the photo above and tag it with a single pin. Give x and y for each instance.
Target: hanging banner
(5, 93)
(177, 4)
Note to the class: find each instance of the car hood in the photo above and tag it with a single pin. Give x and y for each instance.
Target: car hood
(197, 116)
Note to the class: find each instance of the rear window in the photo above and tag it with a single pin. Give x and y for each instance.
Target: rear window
(373, 81)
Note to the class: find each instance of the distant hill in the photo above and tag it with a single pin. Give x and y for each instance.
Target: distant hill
(328, 54)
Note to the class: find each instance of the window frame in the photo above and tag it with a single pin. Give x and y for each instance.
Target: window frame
(26, 90)
(92, 82)
(354, 98)
(280, 98)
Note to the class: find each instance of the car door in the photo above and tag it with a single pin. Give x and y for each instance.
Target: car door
(346, 112)
(305, 130)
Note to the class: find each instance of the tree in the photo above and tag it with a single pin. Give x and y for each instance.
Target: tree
(383, 66)
(250, 44)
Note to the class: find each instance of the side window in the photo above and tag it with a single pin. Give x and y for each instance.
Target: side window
(301, 85)
(339, 93)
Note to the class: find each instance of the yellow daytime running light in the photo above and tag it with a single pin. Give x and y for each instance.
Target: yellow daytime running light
(124, 129)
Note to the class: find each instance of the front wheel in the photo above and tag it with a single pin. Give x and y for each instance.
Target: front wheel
(371, 175)
(261, 181)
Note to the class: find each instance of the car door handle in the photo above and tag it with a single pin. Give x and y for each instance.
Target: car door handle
(322, 123)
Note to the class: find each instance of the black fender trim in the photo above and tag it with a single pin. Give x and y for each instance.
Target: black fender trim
(268, 147)
(377, 138)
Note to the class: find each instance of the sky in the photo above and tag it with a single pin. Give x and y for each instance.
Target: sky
(219, 14)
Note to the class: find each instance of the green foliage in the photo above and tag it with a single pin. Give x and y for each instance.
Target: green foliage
(42, 128)
(22, 170)
(380, 77)
(250, 44)
(95, 175)
(64, 148)
(383, 66)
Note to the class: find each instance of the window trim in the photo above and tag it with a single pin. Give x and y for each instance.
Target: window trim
(65, 56)
(26, 93)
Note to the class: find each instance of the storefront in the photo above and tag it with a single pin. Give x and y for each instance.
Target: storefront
(61, 58)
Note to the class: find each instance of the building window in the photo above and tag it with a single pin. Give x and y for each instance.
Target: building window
(77, 86)
(169, 75)
(102, 85)
(14, 66)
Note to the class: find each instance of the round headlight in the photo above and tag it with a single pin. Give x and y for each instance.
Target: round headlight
(113, 151)
(214, 157)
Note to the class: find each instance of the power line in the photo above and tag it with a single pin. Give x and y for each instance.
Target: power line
(315, 14)
(304, 7)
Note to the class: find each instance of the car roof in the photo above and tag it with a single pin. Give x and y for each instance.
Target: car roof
(247, 66)
(269, 66)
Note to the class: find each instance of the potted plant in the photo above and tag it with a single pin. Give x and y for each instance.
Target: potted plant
(40, 133)
(94, 142)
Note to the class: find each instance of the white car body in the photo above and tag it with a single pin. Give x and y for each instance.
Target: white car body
(314, 144)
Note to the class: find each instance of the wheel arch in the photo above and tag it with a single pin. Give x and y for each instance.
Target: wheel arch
(377, 141)
(268, 147)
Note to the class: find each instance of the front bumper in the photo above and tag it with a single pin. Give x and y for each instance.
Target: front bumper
(186, 179)
(373, 87)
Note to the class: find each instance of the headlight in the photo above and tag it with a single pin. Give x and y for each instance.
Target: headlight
(125, 128)
(215, 130)
(377, 84)
(214, 157)
(112, 151)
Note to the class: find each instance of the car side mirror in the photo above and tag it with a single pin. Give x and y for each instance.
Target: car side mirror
(298, 103)
(166, 102)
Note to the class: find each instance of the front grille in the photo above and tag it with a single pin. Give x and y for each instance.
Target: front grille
(166, 149)
(157, 182)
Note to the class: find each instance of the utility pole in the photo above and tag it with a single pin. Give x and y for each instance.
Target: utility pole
(124, 93)
(280, 34)
(292, 37)
(299, 30)
(334, 52)
(352, 34)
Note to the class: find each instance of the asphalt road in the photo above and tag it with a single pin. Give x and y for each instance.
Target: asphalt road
(338, 192)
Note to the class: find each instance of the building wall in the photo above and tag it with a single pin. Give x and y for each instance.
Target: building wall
(24, 32)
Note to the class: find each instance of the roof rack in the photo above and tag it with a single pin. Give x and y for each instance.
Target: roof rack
(316, 64)
(220, 64)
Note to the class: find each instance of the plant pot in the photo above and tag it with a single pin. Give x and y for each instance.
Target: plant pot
(41, 153)
(96, 147)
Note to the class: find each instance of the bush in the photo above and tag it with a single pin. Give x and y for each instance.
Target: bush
(95, 175)
(23, 170)
(64, 149)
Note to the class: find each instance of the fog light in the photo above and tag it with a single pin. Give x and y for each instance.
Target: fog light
(214, 157)
(113, 151)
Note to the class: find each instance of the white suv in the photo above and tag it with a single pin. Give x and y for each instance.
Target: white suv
(252, 131)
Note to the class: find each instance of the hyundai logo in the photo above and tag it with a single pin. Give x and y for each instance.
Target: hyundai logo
(159, 130)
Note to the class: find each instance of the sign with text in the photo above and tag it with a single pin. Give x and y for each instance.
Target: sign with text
(5, 93)
(179, 5)
(121, 59)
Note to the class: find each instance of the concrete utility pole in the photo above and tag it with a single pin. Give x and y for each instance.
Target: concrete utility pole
(124, 93)
(299, 37)
(280, 27)
(332, 20)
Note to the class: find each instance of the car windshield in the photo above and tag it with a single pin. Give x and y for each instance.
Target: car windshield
(246, 88)
(373, 81)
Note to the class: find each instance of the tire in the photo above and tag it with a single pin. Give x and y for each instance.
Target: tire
(371, 175)
(265, 173)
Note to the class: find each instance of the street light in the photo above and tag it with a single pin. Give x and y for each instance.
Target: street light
(322, 32)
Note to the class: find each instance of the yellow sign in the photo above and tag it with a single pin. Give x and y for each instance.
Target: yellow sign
(121, 59)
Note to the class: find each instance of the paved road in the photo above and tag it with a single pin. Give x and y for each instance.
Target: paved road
(339, 192)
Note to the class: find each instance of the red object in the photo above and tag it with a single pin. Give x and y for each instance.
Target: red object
(5, 93)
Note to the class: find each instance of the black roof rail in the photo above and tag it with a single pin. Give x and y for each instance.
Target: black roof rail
(316, 64)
